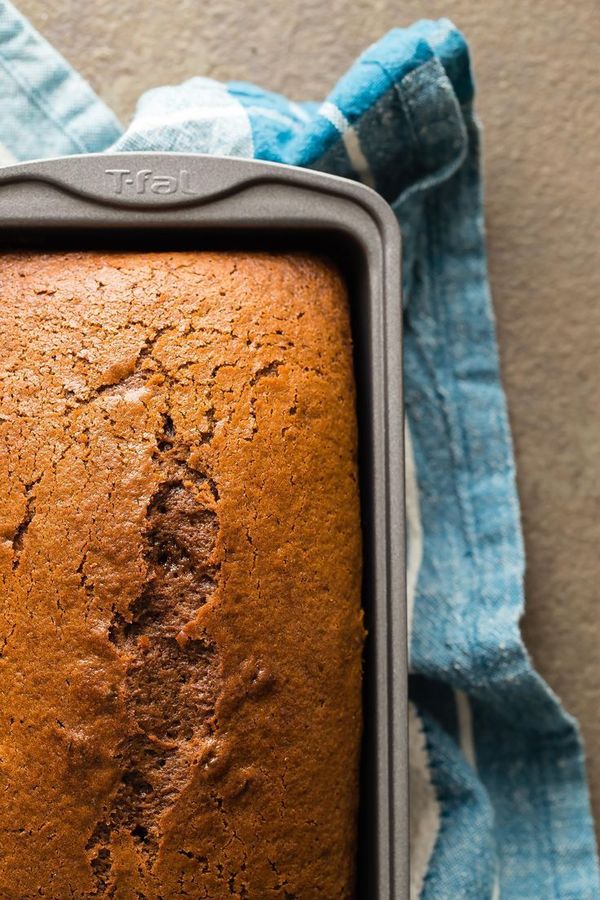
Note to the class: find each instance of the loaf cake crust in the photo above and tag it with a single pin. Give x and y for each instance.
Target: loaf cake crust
(180, 556)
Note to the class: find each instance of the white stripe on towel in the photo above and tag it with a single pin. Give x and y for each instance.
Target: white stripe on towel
(414, 529)
(351, 140)
(217, 122)
(300, 112)
(6, 157)
(192, 114)
(465, 727)
(467, 745)
(424, 805)
(205, 111)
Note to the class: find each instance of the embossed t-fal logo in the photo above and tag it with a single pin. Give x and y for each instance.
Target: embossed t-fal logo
(146, 181)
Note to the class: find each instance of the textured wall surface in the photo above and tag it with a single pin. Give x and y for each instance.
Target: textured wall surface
(538, 84)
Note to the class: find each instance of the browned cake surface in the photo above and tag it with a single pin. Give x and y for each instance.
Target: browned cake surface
(180, 626)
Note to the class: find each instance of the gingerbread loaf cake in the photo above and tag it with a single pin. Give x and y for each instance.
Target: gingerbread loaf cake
(180, 622)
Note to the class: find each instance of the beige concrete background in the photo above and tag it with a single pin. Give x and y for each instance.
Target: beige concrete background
(536, 65)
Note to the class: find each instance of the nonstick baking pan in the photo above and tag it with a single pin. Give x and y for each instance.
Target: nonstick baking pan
(171, 201)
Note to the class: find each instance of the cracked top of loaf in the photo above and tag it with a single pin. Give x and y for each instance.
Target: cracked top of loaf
(180, 565)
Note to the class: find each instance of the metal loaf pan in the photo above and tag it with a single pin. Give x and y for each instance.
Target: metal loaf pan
(171, 200)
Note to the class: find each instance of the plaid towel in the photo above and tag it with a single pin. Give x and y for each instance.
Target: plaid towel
(499, 798)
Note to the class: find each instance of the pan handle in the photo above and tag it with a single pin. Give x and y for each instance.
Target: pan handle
(141, 180)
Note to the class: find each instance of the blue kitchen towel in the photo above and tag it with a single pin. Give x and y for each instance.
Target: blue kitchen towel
(499, 798)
